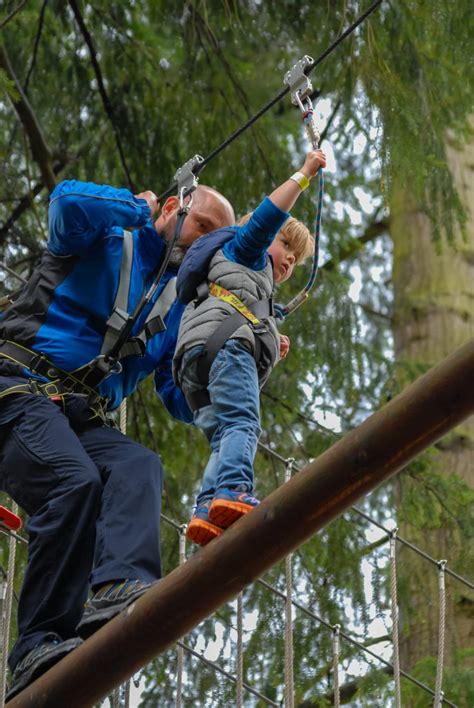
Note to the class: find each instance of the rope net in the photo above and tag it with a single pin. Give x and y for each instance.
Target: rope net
(233, 684)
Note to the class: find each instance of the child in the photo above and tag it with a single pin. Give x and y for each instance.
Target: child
(228, 342)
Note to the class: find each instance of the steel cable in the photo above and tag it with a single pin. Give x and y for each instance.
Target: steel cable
(237, 133)
(395, 621)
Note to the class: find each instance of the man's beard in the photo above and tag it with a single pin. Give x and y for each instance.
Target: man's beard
(178, 251)
(177, 254)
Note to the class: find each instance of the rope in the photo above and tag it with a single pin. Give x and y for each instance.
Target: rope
(123, 416)
(368, 518)
(289, 678)
(352, 641)
(395, 619)
(228, 675)
(115, 698)
(335, 666)
(7, 611)
(180, 650)
(127, 695)
(237, 133)
(414, 548)
(441, 638)
(125, 688)
(239, 685)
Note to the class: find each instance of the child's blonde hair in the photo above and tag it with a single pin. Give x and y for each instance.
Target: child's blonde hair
(297, 234)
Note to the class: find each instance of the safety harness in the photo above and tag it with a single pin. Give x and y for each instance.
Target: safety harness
(244, 314)
(118, 343)
(83, 381)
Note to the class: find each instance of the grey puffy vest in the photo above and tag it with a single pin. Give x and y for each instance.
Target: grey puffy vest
(199, 323)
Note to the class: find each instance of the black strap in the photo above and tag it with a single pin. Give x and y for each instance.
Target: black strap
(61, 382)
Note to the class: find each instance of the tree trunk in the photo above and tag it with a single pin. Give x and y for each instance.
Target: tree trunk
(434, 294)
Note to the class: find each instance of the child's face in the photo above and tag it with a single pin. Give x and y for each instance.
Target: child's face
(284, 258)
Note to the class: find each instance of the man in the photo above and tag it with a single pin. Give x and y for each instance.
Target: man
(93, 496)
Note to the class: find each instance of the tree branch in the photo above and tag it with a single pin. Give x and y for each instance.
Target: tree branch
(347, 691)
(103, 93)
(36, 45)
(39, 148)
(12, 14)
(27, 199)
(373, 231)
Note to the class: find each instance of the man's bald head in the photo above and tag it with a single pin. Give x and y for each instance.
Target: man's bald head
(215, 204)
(210, 210)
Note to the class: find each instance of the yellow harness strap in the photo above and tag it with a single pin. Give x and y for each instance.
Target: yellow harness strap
(225, 295)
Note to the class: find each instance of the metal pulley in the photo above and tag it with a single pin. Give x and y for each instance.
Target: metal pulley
(301, 89)
(187, 180)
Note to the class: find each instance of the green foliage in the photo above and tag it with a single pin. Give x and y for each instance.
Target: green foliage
(458, 681)
(180, 77)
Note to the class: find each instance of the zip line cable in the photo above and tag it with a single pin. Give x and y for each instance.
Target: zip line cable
(237, 133)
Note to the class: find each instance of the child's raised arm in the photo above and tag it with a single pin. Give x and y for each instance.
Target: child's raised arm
(285, 196)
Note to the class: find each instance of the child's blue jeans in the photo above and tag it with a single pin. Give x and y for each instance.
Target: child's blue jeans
(231, 422)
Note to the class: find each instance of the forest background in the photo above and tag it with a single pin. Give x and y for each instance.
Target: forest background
(124, 94)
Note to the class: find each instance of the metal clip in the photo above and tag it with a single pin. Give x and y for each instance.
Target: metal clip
(187, 180)
(299, 83)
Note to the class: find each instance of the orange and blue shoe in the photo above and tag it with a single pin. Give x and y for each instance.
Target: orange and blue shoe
(200, 529)
(229, 505)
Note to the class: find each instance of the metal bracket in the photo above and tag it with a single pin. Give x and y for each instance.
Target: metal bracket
(299, 83)
(186, 179)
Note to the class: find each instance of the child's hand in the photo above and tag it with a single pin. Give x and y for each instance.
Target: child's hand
(314, 160)
(284, 346)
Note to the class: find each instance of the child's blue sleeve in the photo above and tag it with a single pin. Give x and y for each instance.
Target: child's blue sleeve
(250, 243)
(80, 213)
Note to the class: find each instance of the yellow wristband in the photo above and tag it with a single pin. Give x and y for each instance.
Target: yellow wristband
(301, 180)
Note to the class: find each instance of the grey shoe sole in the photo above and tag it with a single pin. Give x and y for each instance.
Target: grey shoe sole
(93, 620)
(58, 652)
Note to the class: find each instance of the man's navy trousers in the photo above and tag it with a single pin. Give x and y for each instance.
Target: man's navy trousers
(93, 497)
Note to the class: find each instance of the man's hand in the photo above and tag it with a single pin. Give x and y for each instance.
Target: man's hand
(314, 160)
(152, 201)
(284, 346)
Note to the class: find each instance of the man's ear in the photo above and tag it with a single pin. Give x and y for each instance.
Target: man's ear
(171, 205)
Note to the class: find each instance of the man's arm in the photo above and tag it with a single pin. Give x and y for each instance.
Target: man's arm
(172, 397)
(80, 213)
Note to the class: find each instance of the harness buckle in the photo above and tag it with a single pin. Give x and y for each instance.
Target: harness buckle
(34, 388)
(37, 362)
(50, 390)
(107, 365)
(118, 319)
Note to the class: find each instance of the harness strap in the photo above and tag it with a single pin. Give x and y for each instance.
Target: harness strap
(225, 295)
(136, 346)
(225, 330)
(61, 383)
(120, 316)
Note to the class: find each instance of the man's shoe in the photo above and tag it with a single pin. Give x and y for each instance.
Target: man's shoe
(107, 602)
(200, 530)
(229, 505)
(38, 661)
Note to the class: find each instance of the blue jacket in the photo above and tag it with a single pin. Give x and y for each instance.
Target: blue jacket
(63, 308)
